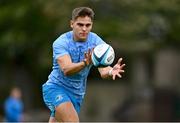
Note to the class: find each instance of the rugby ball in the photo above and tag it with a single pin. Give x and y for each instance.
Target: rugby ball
(103, 55)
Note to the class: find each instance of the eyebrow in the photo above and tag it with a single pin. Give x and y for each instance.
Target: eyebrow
(81, 24)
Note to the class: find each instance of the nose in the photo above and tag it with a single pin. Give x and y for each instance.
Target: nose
(84, 28)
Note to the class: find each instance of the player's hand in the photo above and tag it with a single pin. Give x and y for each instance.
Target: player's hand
(87, 57)
(117, 69)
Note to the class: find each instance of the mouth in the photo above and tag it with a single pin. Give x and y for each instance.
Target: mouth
(83, 34)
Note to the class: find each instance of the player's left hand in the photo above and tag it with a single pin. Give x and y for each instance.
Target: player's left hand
(117, 69)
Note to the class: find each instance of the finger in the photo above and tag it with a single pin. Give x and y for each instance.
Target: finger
(114, 77)
(119, 61)
(89, 51)
(89, 57)
(93, 49)
(119, 75)
(121, 71)
(85, 54)
(123, 65)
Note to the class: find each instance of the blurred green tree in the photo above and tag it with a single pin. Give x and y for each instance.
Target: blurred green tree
(28, 28)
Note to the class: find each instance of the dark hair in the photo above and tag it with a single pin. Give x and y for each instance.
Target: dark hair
(82, 12)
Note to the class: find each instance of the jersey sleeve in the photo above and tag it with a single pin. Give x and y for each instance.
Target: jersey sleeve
(60, 48)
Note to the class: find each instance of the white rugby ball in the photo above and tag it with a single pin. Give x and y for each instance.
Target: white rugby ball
(103, 55)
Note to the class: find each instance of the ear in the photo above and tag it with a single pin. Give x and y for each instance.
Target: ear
(71, 23)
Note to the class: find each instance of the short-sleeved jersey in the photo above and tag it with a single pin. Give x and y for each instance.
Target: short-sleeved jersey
(65, 44)
(13, 110)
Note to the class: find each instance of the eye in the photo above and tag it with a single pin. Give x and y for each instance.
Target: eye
(80, 24)
(88, 25)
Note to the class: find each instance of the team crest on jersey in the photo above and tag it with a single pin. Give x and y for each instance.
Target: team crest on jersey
(59, 98)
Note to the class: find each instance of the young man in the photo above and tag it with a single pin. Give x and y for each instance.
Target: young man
(65, 89)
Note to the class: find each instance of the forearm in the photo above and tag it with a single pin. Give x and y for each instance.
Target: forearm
(73, 68)
(105, 72)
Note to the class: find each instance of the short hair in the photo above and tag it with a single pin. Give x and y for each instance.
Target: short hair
(82, 12)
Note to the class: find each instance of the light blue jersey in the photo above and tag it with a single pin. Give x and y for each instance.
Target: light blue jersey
(66, 45)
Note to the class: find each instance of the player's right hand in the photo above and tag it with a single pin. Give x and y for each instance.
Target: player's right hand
(87, 57)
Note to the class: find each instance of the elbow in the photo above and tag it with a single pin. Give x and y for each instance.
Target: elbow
(66, 72)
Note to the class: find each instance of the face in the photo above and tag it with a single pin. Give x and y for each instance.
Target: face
(81, 27)
(16, 93)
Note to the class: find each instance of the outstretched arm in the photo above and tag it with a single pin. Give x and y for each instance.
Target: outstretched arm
(114, 71)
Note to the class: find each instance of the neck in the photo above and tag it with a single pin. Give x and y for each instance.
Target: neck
(78, 40)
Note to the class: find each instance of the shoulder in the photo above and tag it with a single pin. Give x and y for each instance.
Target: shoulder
(9, 100)
(92, 34)
(95, 38)
(63, 39)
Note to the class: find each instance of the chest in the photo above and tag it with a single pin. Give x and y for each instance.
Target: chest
(77, 51)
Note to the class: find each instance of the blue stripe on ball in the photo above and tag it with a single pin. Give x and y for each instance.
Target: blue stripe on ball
(102, 62)
(94, 58)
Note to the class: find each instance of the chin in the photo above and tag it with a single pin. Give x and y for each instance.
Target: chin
(83, 39)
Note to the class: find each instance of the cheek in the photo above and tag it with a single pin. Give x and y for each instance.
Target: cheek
(76, 28)
(76, 32)
(90, 28)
